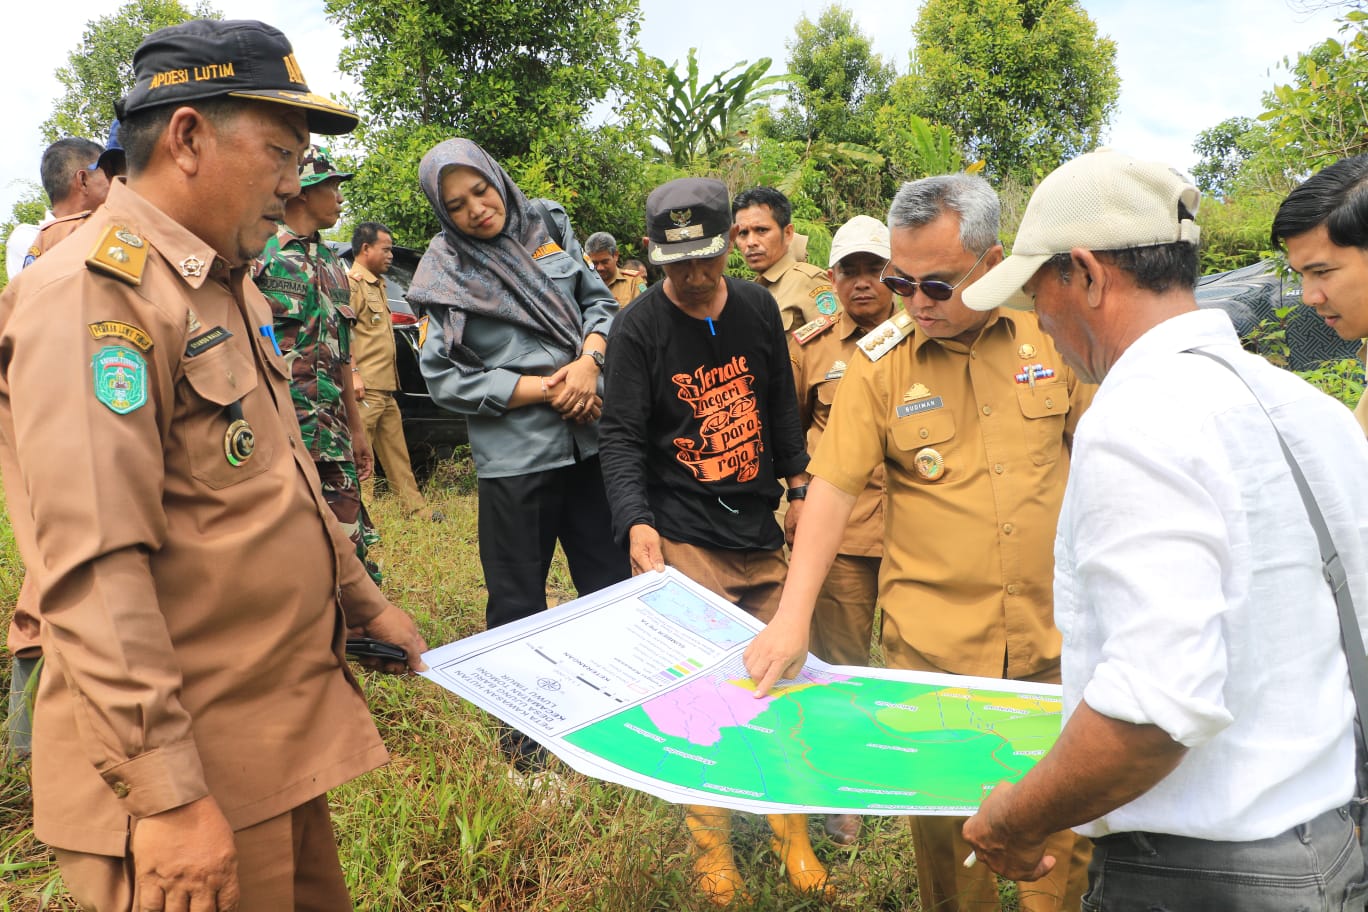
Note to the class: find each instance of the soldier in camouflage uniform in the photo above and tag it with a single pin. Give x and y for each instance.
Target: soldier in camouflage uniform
(306, 285)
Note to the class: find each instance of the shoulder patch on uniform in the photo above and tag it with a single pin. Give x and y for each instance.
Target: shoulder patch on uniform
(120, 376)
(884, 338)
(826, 301)
(546, 250)
(119, 253)
(106, 329)
(809, 331)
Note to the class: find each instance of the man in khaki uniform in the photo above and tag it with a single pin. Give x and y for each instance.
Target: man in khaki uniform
(1333, 263)
(374, 376)
(624, 282)
(843, 619)
(971, 415)
(764, 235)
(194, 587)
(75, 184)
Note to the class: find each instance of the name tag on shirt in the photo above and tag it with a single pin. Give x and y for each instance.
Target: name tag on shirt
(912, 408)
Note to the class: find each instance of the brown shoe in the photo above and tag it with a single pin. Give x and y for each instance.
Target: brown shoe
(844, 829)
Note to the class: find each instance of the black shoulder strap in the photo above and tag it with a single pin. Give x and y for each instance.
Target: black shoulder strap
(551, 227)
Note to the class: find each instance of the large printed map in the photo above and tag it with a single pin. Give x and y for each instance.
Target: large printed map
(643, 684)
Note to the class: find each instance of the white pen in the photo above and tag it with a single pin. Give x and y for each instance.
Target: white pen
(969, 862)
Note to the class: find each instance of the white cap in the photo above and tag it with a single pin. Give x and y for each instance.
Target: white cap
(1104, 200)
(861, 234)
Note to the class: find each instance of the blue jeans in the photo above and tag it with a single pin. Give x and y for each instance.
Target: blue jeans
(1318, 865)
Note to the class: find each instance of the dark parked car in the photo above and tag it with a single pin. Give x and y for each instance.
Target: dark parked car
(1251, 295)
(431, 431)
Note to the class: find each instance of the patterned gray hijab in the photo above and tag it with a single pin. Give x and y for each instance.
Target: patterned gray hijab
(496, 278)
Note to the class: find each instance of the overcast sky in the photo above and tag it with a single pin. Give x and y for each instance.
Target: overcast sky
(1185, 65)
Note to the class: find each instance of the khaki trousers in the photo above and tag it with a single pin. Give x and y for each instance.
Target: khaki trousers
(945, 885)
(385, 431)
(752, 580)
(843, 619)
(285, 864)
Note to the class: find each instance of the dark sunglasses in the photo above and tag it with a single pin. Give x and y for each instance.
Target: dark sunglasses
(933, 289)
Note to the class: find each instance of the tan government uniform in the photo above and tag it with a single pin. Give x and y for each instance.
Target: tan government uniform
(975, 443)
(54, 232)
(23, 631)
(626, 286)
(843, 619)
(23, 640)
(194, 610)
(373, 352)
(803, 291)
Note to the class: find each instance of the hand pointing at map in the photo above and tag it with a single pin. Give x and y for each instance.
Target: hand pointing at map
(778, 651)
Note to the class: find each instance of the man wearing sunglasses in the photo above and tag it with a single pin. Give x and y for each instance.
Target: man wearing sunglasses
(971, 415)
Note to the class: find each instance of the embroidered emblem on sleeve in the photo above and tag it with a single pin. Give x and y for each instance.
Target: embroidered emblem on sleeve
(120, 376)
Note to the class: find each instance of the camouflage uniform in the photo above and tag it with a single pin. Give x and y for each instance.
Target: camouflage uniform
(306, 285)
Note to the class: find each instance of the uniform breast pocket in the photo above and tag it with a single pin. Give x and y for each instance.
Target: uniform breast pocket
(220, 452)
(1044, 410)
(826, 392)
(925, 445)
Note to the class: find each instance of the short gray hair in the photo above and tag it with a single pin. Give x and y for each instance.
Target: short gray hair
(600, 242)
(969, 196)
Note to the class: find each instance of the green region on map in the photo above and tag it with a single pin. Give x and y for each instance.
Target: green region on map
(831, 740)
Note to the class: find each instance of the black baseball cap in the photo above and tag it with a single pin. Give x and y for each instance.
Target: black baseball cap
(207, 58)
(688, 219)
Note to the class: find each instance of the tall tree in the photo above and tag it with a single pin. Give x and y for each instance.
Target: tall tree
(1322, 115)
(503, 73)
(100, 70)
(1025, 84)
(1223, 149)
(500, 72)
(837, 81)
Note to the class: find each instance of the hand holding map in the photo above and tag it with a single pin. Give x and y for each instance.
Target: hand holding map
(643, 684)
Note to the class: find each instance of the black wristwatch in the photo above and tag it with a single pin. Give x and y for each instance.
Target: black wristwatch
(797, 492)
(596, 355)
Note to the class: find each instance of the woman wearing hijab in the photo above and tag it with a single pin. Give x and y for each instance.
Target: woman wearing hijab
(517, 327)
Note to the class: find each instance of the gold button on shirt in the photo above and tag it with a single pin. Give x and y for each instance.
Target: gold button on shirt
(797, 286)
(818, 368)
(372, 334)
(976, 457)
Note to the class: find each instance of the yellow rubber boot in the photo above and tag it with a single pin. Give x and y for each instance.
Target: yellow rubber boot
(791, 844)
(718, 878)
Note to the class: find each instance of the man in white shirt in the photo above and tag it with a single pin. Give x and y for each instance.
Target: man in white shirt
(1208, 747)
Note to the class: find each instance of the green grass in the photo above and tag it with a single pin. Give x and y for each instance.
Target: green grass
(440, 829)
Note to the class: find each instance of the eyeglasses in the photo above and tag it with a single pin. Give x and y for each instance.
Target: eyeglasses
(933, 289)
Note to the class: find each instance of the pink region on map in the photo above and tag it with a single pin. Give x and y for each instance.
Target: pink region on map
(700, 710)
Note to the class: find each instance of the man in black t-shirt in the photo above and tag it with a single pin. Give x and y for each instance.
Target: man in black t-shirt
(700, 422)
